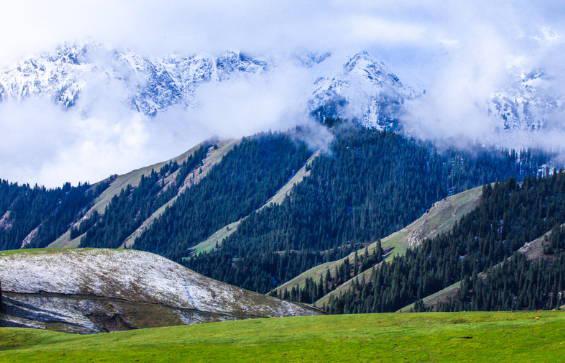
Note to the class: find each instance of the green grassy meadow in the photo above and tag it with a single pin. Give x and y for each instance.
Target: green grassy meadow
(424, 337)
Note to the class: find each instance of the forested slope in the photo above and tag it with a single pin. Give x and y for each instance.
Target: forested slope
(509, 215)
(133, 205)
(367, 186)
(245, 179)
(336, 276)
(212, 208)
(35, 216)
(532, 278)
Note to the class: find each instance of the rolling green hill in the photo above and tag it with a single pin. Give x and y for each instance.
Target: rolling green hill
(424, 337)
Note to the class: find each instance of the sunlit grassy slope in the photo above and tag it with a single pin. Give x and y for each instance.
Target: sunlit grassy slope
(437, 337)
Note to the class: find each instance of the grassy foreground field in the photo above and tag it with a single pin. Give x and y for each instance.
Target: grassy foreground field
(532, 337)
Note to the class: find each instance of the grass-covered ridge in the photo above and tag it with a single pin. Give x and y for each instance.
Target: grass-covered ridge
(445, 337)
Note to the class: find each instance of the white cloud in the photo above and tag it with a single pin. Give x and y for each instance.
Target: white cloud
(487, 51)
(254, 103)
(456, 100)
(158, 27)
(42, 143)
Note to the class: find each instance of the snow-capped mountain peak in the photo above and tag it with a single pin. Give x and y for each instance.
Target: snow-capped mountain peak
(363, 65)
(526, 104)
(365, 90)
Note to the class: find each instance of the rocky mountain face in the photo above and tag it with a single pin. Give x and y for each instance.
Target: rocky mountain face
(526, 105)
(363, 89)
(151, 84)
(91, 291)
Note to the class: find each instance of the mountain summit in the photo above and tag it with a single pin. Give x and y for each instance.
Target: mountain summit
(365, 90)
(527, 104)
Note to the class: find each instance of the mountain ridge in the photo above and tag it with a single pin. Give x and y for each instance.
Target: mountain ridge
(363, 89)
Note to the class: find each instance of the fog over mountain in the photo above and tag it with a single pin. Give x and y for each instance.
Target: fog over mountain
(86, 93)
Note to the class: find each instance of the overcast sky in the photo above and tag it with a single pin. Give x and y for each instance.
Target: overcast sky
(456, 50)
(401, 29)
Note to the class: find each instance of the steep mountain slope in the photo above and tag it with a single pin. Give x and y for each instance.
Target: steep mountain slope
(98, 290)
(273, 207)
(215, 240)
(246, 179)
(214, 156)
(507, 217)
(35, 216)
(530, 278)
(369, 185)
(167, 176)
(438, 219)
(122, 208)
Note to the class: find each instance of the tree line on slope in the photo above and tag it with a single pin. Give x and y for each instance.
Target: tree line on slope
(313, 290)
(41, 214)
(367, 186)
(509, 215)
(133, 205)
(244, 180)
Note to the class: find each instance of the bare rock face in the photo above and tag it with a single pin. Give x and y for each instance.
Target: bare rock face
(90, 291)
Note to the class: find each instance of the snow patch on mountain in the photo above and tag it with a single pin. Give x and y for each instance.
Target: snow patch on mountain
(527, 104)
(365, 90)
(153, 83)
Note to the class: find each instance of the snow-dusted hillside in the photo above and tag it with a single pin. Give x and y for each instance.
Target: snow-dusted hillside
(95, 290)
